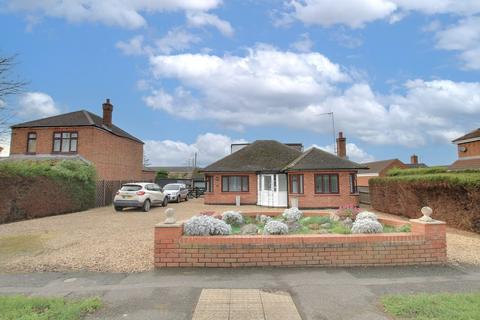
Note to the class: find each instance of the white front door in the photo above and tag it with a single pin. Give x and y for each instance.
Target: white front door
(272, 190)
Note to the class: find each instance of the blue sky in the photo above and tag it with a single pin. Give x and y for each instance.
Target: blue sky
(400, 76)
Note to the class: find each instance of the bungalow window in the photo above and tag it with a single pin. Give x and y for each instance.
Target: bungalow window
(31, 142)
(296, 183)
(353, 183)
(326, 183)
(234, 183)
(209, 181)
(65, 142)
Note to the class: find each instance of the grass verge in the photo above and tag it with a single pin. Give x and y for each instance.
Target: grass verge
(444, 306)
(40, 308)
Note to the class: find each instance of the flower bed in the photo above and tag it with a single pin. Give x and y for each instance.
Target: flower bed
(425, 244)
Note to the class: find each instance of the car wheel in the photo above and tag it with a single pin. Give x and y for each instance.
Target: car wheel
(178, 198)
(186, 198)
(146, 206)
(118, 208)
(165, 202)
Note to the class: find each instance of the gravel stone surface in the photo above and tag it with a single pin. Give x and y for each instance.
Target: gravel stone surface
(105, 241)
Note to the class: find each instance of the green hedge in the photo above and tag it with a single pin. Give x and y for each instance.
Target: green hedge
(435, 174)
(77, 177)
(416, 171)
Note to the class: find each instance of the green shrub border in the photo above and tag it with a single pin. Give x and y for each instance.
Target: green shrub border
(76, 177)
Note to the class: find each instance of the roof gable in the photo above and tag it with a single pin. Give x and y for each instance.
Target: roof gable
(76, 119)
(316, 159)
(261, 155)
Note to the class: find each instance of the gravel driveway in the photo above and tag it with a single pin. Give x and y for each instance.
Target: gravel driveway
(103, 240)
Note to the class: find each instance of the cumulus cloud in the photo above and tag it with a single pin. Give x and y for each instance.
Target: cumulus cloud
(202, 19)
(127, 14)
(354, 152)
(209, 148)
(303, 44)
(36, 105)
(271, 87)
(5, 144)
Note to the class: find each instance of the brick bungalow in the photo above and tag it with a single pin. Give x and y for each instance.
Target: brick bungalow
(377, 169)
(468, 148)
(273, 174)
(116, 154)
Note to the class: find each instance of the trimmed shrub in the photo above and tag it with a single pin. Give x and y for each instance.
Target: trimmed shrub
(206, 225)
(234, 218)
(275, 227)
(367, 226)
(367, 215)
(292, 214)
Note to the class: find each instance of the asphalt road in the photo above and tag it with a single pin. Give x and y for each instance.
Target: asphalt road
(320, 293)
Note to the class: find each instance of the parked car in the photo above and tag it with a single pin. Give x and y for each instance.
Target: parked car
(176, 192)
(140, 195)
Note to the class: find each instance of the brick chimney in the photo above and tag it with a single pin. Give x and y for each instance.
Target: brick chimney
(107, 113)
(414, 159)
(341, 146)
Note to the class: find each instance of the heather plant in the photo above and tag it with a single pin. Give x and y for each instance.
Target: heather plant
(292, 214)
(366, 215)
(348, 211)
(203, 225)
(233, 218)
(367, 226)
(275, 227)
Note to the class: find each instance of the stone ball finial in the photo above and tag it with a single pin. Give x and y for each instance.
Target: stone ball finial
(427, 212)
(170, 213)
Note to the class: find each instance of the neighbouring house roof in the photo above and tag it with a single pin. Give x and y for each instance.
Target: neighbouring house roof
(273, 156)
(316, 159)
(171, 169)
(76, 119)
(377, 166)
(178, 172)
(416, 165)
(465, 164)
(261, 155)
(42, 157)
(471, 135)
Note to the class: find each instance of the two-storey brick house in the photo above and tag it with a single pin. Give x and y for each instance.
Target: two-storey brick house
(116, 154)
(468, 148)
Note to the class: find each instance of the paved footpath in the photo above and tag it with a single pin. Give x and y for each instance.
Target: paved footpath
(318, 293)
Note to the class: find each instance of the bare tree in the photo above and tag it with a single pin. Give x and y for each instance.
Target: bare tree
(9, 86)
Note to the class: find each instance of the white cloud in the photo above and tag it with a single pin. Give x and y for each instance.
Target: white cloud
(127, 14)
(36, 105)
(303, 44)
(465, 38)
(133, 47)
(276, 88)
(354, 152)
(201, 19)
(5, 144)
(209, 147)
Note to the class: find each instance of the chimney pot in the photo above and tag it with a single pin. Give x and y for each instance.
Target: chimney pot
(341, 146)
(107, 113)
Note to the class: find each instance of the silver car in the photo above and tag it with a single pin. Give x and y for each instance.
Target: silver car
(176, 192)
(141, 195)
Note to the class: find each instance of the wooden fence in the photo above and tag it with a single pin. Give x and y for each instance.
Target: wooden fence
(364, 193)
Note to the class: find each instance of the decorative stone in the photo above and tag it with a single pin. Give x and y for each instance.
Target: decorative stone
(314, 226)
(170, 213)
(249, 229)
(326, 225)
(427, 212)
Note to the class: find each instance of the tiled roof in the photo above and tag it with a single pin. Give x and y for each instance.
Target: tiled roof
(316, 159)
(76, 119)
(467, 164)
(377, 166)
(471, 135)
(416, 165)
(261, 155)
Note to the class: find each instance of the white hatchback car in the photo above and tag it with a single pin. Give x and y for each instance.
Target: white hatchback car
(140, 195)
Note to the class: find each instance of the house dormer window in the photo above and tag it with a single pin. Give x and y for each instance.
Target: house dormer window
(31, 142)
(65, 142)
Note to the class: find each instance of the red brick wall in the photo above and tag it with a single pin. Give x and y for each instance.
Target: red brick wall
(425, 245)
(115, 158)
(473, 149)
(362, 181)
(219, 197)
(309, 199)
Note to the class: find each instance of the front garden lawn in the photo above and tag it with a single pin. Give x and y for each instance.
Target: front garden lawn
(40, 308)
(444, 306)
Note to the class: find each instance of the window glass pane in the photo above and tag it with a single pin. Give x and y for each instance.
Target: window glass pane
(267, 183)
(300, 184)
(57, 135)
(32, 145)
(66, 135)
(326, 184)
(65, 145)
(294, 184)
(235, 183)
(56, 145)
(74, 135)
(73, 145)
(334, 183)
(244, 184)
(32, 135)
(224, 184)
(318, 184)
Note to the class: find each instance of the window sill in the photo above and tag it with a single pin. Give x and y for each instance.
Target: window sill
(64, 152)
(326, 194)
(235, 191)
